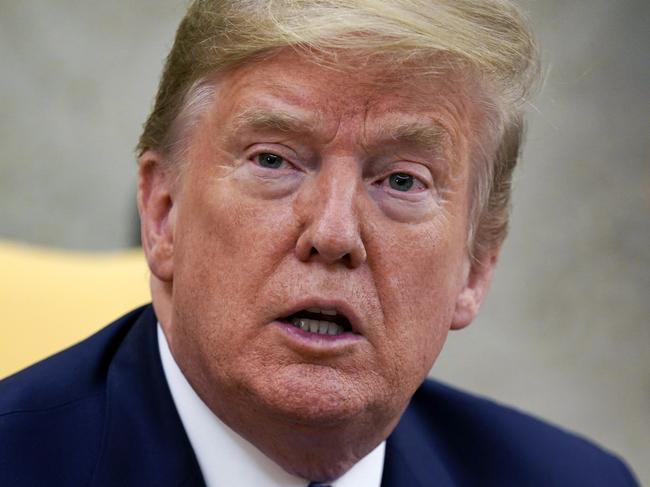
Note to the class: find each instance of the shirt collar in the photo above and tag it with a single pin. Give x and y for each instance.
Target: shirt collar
(243, 464)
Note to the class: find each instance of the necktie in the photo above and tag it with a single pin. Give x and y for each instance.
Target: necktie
(318, 484)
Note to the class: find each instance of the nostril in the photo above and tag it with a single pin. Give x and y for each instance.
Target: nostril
(329, 250)
(346, 258)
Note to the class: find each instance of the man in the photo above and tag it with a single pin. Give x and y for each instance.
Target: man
(323, 192)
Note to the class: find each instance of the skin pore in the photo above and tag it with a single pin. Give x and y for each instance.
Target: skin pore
(308, 187)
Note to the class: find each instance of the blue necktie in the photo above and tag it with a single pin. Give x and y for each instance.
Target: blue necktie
(318, 484)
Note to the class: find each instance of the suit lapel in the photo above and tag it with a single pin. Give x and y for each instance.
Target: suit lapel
(144, 440)
(413, 459)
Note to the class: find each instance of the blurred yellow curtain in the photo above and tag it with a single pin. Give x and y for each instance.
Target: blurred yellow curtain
(51, 299)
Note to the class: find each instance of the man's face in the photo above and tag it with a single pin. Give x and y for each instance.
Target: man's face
(310, 191)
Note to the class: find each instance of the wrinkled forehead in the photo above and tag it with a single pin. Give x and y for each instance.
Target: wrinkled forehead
(366, 76)
(290, 91)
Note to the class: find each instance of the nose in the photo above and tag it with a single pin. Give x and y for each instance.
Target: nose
(330, 233)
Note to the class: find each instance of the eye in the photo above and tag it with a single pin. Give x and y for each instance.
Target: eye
(271, 161)
(400, 181)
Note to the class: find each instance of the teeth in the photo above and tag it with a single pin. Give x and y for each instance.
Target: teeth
(317, 326)
(313, 326)
(329, 312)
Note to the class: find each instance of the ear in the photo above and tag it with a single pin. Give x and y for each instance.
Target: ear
(156, 196)
(474, 291)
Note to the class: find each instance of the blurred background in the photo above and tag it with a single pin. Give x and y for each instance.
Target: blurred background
(565, 333)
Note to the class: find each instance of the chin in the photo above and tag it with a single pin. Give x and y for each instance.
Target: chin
(313, 395)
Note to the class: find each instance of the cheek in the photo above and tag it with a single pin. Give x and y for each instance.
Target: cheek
(418, 278)
(228, 236)
(226, 247)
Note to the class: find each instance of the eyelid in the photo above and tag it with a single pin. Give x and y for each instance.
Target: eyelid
(411, 192)
(257, 155)
(254, 150)
(423, 175)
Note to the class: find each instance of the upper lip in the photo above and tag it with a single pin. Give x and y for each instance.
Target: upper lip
(341, 307)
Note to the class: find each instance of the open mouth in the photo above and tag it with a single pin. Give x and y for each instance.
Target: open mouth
(319, 321)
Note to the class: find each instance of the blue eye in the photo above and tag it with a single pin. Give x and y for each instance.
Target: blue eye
(270, 160)
(400, 181)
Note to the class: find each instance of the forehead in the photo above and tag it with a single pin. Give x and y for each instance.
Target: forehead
(289, 89)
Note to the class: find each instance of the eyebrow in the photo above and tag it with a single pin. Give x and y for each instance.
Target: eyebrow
(279, 121)
(427, 135)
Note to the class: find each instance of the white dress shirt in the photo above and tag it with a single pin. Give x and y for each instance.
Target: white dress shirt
(227, 459)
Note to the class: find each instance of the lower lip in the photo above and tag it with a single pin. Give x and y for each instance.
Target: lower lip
(315, 340)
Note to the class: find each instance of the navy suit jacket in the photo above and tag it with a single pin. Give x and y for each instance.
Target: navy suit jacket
(100, 413)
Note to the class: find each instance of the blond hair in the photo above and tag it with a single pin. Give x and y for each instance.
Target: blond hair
(489, 38)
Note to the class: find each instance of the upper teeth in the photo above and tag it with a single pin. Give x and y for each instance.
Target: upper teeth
(317, 326)
(330, 312)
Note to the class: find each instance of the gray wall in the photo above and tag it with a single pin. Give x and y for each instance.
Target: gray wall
(565, 333)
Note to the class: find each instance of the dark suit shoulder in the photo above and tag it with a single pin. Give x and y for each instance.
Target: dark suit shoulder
(486, 443)
(51, 414)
